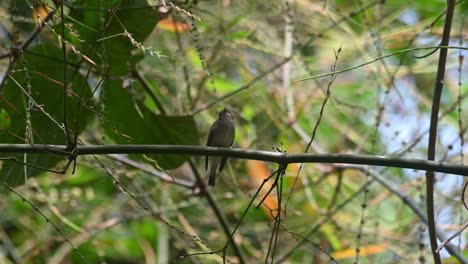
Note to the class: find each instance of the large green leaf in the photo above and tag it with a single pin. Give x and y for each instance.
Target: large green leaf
(118, 33)
(45, 75)
(131, 122)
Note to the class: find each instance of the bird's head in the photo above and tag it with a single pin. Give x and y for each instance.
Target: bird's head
(225, 114)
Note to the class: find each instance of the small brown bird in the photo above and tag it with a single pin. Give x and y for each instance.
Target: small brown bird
(221, 134)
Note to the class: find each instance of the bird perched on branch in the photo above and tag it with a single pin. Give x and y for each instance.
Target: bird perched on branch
(221, 134)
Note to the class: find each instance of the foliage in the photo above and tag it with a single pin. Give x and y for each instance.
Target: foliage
(157, 72)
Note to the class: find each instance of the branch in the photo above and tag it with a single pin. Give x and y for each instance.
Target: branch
(243, 87)
(219, 214)
(439, 83)
(150, 170)
(149, 90)
(411, 205)
(277, 157)
(442, 47)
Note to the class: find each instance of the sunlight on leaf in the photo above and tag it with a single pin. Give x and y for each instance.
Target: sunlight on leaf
(40, 13)
(5, 120)
(258, 171)
(169, 24)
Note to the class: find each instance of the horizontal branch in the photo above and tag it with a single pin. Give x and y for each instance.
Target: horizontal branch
(277, 157)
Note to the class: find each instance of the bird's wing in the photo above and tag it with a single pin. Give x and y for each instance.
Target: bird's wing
(233, 135)
(221, 165)
(209, 142)
(223, 161)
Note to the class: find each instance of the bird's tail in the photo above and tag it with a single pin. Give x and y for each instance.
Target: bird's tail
(212, 178)
(214, 163)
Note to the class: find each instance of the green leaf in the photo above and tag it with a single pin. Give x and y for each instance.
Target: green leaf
(84, 175)
(222, 85)
(238, 35)
(45, 76)
(131, 122)
(131, 23)
(5, 120)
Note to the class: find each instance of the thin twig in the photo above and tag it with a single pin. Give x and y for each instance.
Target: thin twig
(48, 220)
(221, 217)
(288, 51)
(380, 178)
(150, 170)
(454, 235)
(155, 214)
(65, 81)
(328, 216)
(444, 47)
(183, 59)
(39, 107)
(243, 87)
(149, 90)
(14, 53)
(14, 159)
(330, 82)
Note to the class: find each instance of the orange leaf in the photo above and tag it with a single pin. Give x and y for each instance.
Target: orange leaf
(258, 171)
(270, 206)
(40, 13)
(364, 251)
(171, 25)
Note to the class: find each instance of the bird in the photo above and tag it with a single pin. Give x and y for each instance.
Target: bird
(221, 134)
